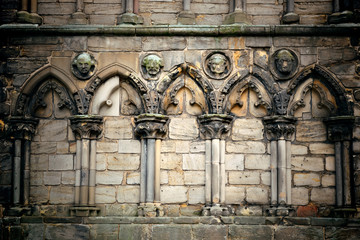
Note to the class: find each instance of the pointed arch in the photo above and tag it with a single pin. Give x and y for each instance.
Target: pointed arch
(330, 81)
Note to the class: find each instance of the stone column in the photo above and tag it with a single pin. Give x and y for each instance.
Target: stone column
(341, 14)
(21, 129)
(151, 128)
(237, 13)
(79, 17)
(214, 129)
(340, 132)
(129, 16)
(186, 17)
(87, 129)
(280, 130)
(290, 16)
(24, 16)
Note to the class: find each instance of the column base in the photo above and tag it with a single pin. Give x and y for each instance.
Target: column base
(280, 211)
(290, 17)
(25, 17)
(150, 210)
(216, 210)
(130, 18)
(18, 211)
(237, 18)
(340, 17)
(78, 18)
(345, 212)
(85, 211)
(186, 18)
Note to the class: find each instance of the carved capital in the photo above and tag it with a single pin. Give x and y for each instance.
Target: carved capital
(87, 126)
(280, 127)
(340, 128)
(214, 126)
(151, 125)
(22, 127)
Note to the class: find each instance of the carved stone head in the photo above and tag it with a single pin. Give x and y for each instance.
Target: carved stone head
(217, 65)
(83, 66)
(152, 65)
(284, 64)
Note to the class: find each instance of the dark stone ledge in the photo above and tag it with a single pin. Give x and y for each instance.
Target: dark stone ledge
(183, 30)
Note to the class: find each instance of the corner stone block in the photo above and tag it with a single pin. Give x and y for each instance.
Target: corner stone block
(234, 195)
(61, 162)
(129, 146)
(247, 129)
(183, 129)
(257, 195)
(173, 194)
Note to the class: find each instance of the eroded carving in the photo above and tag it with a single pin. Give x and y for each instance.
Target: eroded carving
(217, 65)
(281, 101)
(151, 126)
(83, 66)
(87, 127)
(22, 128)
(215, 126)
(151, 66)
(284, 64)
(340, 128)
(280, 127)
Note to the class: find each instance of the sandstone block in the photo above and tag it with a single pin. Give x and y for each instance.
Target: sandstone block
(301, 232)
(52, 178)
(123, 161)
(105, 194)
(173, 194)
(311, 131)
(62, 195)
(307, 164)
(196, 195)
(68, 177)
(133, 178)
(323, 195)
(129, 146)
(176, 177)
(207, 43)
(251, 232)
(258, 41)
(101, 162)
(328, 180)
(109, 177)
(62, 147)
(257, 162)
(300, 196)
(164, 178)
(330, 163)
(39, 194)
(128, 194)
(102, 147)
(244, 177)
(67, 231)
(121, 210)
(194, 177)
(104, 231)
(306, 179)
(43, 147)
(234, 195)
(114, 44)
(163, 43)
(193, 162)
(61, 162)
(172, 58)
(197, 147)
(209, 232)
(245, 147)
(321, 148)
(257, 195)
(171, 161)
(247, 129)
(182, 147)
(265, 178)
(118, 128)
(234, 162)
(168, 146)
(36, 178)
(181, 232)
(183, 128)
(39, 162)
(52, 130)
(298, 149)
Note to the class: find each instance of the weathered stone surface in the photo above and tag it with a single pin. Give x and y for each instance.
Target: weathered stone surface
(68, 177)
(307, 164)
(163, 43)
(128, 194)
(181, 232)
(250, 232)
(118, 128)
(245, 147)
(61, 162)
(300, 196)
(207, 43)
(171, 161)
(183, 129)
(244, 177)
(104, 194)
(247, 129)
(33, 231)
(194, 177)
(173, 194)
(52, 130)
(249, 211)
(298, 149)
(196, 195)
(52, 178)
(328, 180)
(43, 147)
(342, 233)
(39, 162)
(306, 179)
(98, 43)
(102, 147)
(121, 209)
(133, 178)
(300, 232)
(101, 162)
(197, 147)
(61, 195)
(129, 146)
(39, 194)
(258, 41)
(182, 147)
(67, 231)
(36, 178)
(176, 177)
(123, 161)
(234, 195)
(330, 163)
(310, 131)
(321, 148)
(133, 232)
(210, 232)
(193, 162)
(265, 178)
(168, 146)
(234, 162)
(261, 162)
(109, 177)
(323, 195)
(257, 195)
(104, 231)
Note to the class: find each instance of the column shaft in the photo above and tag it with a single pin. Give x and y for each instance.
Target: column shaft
(80, 5)
(143, 170)
(215, 180)
(339, 177)
(84, 181)
(129, 6)
(136, 6)
(208, 171)
(281, 171)
(186, 4)
(336, 6)
(150, 170)
(288, 173)
(222, 171)
(92, 176)
(26, 180)
(289, 6)
(346, 172)
(273, 169)
(77, 171)
(240, 5)
(157, 170)
(33, 6)
(17, 172)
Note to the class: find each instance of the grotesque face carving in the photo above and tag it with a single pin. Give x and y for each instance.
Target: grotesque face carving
(217, 63)
(284, 61)
(152, 64)
(83, 66)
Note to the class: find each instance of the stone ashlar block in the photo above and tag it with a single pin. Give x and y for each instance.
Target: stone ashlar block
(298, 149)
(196, 195)
(251, 232)
(310, 131)
(107, 147)
(328, 180)
(307, 164)
(323, 195)
(194, 177)
(39, 194)
(307, 179)
(244, 177)
(128, 194)
(322, 148)
(129, 146)
(234, 162)
(109, 177)
(68, 177)
(173, 194)
(61, 195)
(133, 231)
(197, 147)
(300, 196)
(133, 178)
(183, 129)
(182, 146)
(209, 232)
(121, 210)
(193, 162)
(164, 43)
(301, 232)
(163, 232)
(175, 177)
(52, 178)
(39, 162)
(171, 161)
(261, 162)
(234, 195)
(67, 231)
(118, 128)
(105, 194)
(247, 129)
(330, 163)
(43, 147)
(196, 43)
(104, 231)
(61, 162)
(114, 44)
(123, 161)
(257, 195)
(246, 147)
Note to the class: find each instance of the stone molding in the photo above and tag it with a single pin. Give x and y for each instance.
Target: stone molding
(215, 126)
(22, 127)
(151, 125)
(280, 127)
(87, 126)
(340, 128)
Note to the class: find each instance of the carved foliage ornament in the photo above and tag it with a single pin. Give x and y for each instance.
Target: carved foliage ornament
(340, 128)
(284, 64)
(151, 66)
(151, 126)
(280, 127)
(22, 128)
(83, 66)
(217, 65)
(281, 100)
(215, 126)
(87, 127)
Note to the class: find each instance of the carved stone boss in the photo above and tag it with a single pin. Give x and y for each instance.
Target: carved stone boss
(214, 129)
(280, 130)
(22, 130)
(87, 129)
(151, 128)
(340, 132)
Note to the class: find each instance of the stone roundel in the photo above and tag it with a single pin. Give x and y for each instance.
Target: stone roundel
(284, 64)
(217, 65)
(83, 65)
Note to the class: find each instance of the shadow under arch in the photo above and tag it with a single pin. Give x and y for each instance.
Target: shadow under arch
(333, 84)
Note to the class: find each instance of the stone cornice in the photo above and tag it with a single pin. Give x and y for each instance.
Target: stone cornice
(87, 126)
(182, 30)
(214, 126)
(151, 125)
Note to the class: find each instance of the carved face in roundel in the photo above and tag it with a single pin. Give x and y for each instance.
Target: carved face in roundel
(84, 63)
(284, 61)
(152, 64)
(218, 63)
